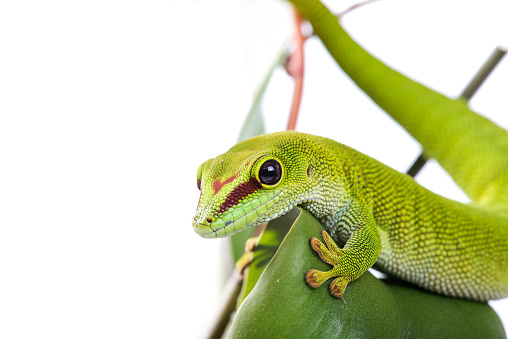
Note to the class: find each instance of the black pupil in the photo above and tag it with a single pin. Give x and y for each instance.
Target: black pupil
(270, 172)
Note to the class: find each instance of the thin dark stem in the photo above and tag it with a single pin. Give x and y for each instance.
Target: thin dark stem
(466, 94)
(232, 290)
(417, 165)
(483, 73)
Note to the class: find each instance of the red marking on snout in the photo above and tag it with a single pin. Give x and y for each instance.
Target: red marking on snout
(238, 193)
(218, 184)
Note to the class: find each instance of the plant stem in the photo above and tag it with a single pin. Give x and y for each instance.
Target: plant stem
(483, 73)
(466, 94)
(231, 292)
(295, 69)
(355, 6)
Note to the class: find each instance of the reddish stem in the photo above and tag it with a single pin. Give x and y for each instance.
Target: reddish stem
(355, 6)
(294, 66)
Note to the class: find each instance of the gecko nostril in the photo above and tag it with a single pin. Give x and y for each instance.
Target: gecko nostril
(209, 220)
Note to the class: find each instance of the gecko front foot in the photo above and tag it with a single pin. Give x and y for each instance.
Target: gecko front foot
(330, 253)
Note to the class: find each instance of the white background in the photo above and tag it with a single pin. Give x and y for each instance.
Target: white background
(107, 108)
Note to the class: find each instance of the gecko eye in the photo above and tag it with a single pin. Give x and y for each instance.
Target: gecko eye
(270, 172)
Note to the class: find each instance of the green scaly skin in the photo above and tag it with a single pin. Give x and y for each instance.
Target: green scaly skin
(379, 216)
(458, 138)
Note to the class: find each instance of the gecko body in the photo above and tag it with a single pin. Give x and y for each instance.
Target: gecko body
(377, 215)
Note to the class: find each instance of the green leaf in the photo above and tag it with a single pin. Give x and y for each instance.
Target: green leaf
(433, 316)
(430, 117)
(252, 127)
(265, 249)
(253, 124)
(281, 305)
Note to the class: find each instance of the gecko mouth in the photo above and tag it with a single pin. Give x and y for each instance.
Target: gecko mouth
(241, 217)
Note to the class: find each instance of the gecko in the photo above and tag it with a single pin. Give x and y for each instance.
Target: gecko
(372, 215)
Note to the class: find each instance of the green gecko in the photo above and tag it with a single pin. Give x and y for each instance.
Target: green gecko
(378, 216)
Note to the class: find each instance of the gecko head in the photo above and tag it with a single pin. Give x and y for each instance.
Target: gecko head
(256, 181)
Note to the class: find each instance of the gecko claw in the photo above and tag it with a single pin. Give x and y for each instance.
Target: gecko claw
(315, 278)
(330, 253)
(338, 286)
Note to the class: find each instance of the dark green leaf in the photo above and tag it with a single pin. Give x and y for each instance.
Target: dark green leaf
(268, 244)
(281, 305)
